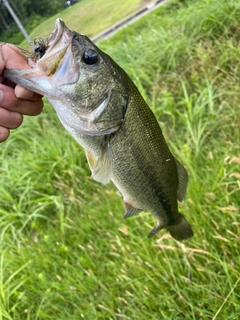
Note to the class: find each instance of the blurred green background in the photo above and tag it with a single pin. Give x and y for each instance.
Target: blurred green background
(66, 252)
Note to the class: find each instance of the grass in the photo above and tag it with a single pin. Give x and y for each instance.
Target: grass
(89, 17)
(66, 253)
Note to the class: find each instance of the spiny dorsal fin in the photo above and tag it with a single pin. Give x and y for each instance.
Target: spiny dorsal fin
(102, 172)
(182, 180)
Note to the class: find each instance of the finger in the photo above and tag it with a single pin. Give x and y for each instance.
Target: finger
(9, 119)
(23, 93)
(10, 102)
(4, 134)
(9, 51)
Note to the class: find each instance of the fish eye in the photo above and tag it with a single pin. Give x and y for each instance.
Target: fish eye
(90, 57)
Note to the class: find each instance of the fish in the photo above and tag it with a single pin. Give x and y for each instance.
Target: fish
(100, 106)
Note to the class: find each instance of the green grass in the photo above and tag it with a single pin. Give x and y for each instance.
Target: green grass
(90, 17)
(66, 253)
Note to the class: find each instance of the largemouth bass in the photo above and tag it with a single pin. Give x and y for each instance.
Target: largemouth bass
(102, 109)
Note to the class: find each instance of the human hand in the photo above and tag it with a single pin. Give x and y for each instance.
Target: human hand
(12, 109)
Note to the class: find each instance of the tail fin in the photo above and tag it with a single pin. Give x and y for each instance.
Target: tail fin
(181, 230)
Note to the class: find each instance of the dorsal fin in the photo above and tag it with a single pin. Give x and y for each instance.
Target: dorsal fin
(182, 180)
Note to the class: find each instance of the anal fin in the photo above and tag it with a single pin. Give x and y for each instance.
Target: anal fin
(155, 230)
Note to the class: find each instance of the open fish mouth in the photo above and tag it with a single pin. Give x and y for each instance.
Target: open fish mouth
(60, 31)
(56, 34)
(57, 44)
(55, 65)
(42, 45)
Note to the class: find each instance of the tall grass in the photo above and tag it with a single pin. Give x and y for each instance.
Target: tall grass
(66, 253)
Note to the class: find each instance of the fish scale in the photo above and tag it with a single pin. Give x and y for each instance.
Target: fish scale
(99, 105)
(146, 168)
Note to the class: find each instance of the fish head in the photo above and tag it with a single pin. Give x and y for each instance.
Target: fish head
(83, 84)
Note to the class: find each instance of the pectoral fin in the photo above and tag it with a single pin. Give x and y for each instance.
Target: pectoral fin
(102, 168)
(182, 180)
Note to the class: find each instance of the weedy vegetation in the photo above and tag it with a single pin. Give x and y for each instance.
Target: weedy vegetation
(66, 253)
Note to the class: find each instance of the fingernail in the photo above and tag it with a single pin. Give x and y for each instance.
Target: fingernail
(1, 95)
